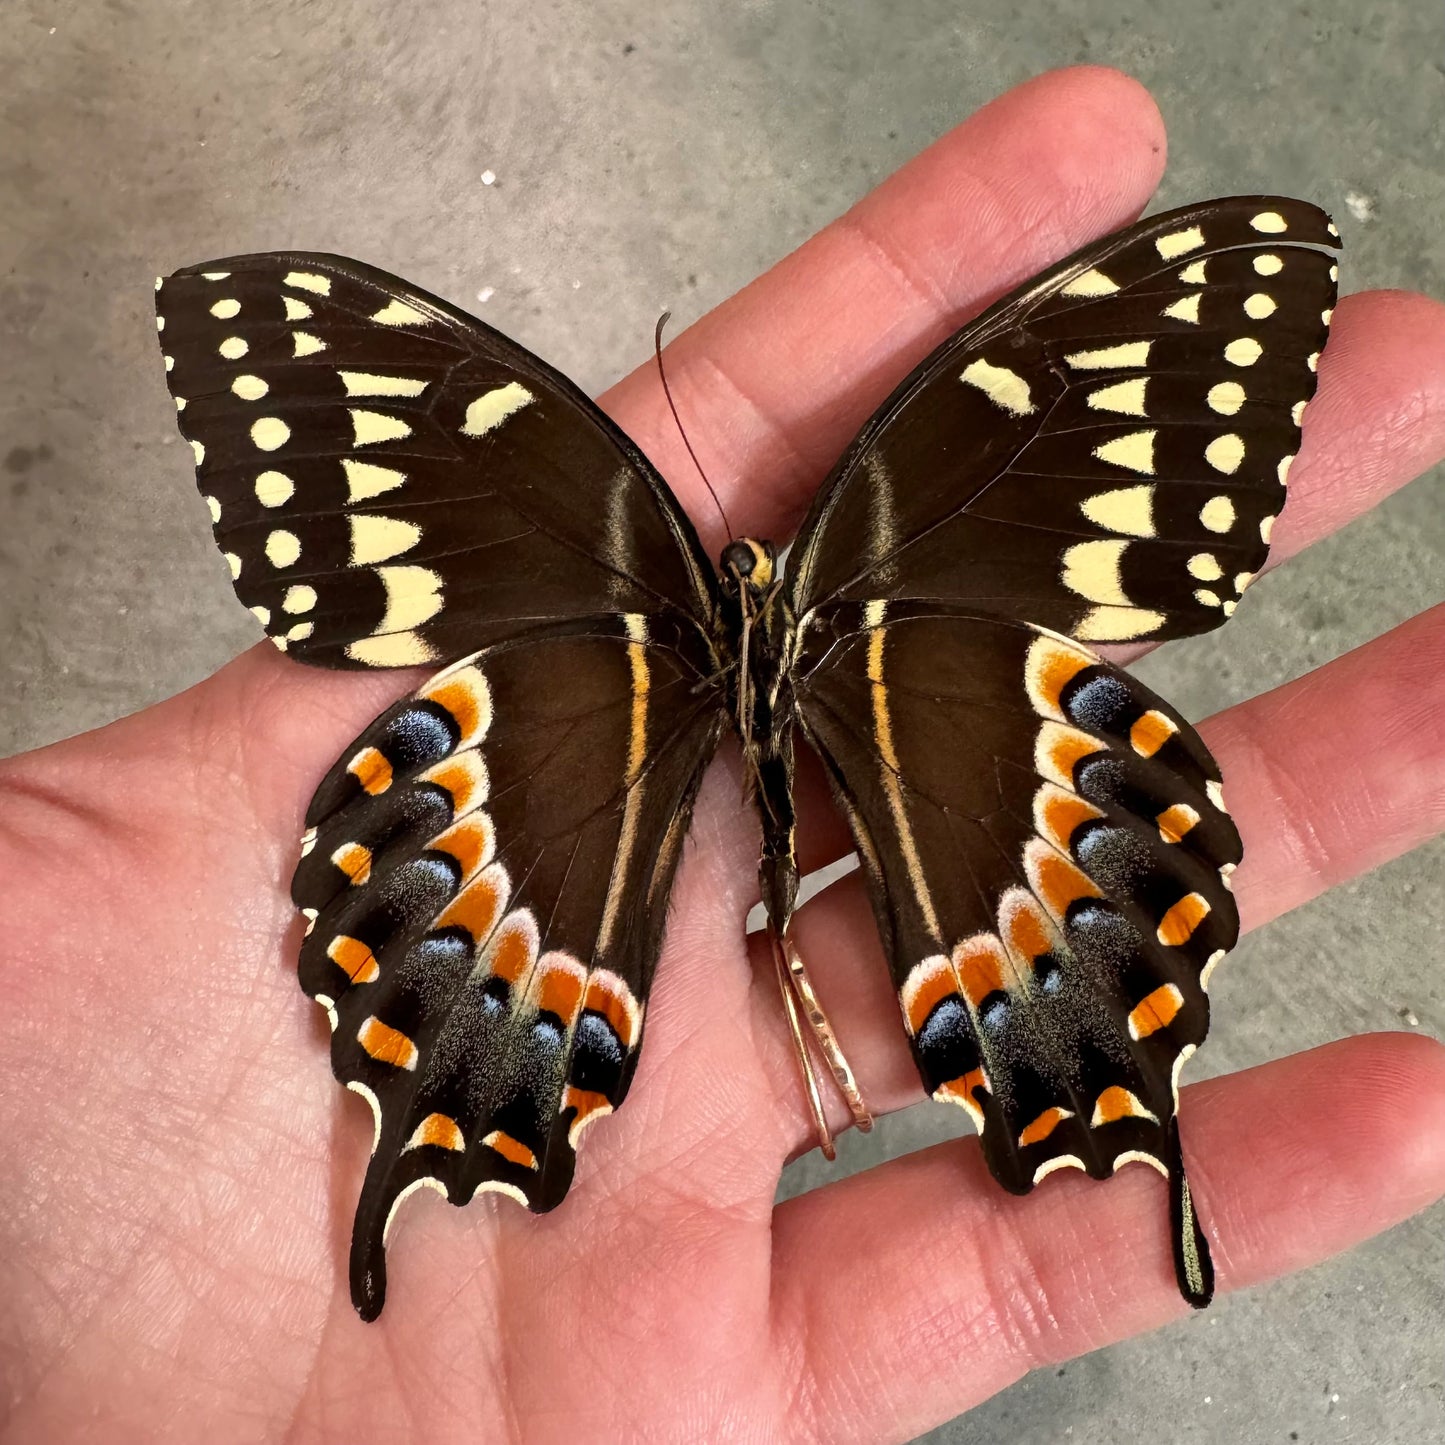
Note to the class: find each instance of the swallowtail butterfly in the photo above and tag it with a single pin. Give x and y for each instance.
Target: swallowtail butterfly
(1097, 458)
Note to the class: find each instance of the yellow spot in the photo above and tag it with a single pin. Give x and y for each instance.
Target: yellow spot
(1155, 1011)
(1117, 624)
(1207, 972)
(160, 323)
(234, 563)
(170, 363)
(1283, 470)
(214, 508)
(1006, 389)
(398, 313)
(262, 615)
(1244, 352)
(1134, 451)
(377, 539)
(283, 548)
(364, 383)
(211, 276)
(233, 348)
(1266, 529)
(1178, 243)
(199, 452)
(1225, 453)
(226, 309)
(1174, 822)
(1258, 306)
(1270, 222)
(1205, 598)
(307, 281)
(1313, 361)
(1215, 794)
(249, 388)
(438, 1131)
(1327, 315)
(1226, 397)
(1242, 580)
(1205, 566)
(299, 599)
(1090, 283)
(1297, 412)
(1150, 732)
(1178, 925)
(492, 408)
(1185, 309)
(1129, 510)
(387, 1045)
(269, 433)
(1117, 1103)
(1268, 264)
(274, 488)
(370, 427)
(366, 480)
(180, 403)
(1091, 569)
(1125, 397)
(303, 343)
(1128, 354)
(1217, 514)
(413, 596)
(1193, 273)
(1228, 606)
(398, 649)
(297, 310)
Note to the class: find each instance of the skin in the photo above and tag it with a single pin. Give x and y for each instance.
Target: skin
(176, 1213)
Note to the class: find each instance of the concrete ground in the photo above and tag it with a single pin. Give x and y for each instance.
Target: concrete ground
(665, 152)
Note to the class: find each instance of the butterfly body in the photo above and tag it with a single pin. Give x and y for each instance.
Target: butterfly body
(1098, 458)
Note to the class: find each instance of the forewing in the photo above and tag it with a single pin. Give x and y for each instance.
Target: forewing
(1049, 860)
(1104, 451)
(394, 483)
(486, 871)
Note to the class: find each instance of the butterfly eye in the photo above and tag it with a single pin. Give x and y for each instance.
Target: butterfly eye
(738, 559)
(750, 559)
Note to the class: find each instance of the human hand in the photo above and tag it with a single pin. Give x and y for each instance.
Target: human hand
(179, 1199)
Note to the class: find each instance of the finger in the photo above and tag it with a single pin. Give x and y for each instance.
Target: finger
(1376, 423)
(1315, 806)
(774, 383)
(917, 1289)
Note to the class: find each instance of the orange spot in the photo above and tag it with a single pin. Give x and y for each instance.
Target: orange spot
(354, 958)
(979, 963)
(1044, 1125)
(961, 1089)
(440, 1130)
(1178, 925)
(354, 860)
(511, 955)
(465, 696)
(1060, 813)
(1051, 668)
(931, 980)
(511, 1149)
(387, 1045)
(1155, 1011)
(558, 988)
(1057, 881)
(475, 908)
(1068, 747)
(610, 997)
(1029, 934)
(1174, 822)
(1117, 1103)
(1150, 732)
(464, 777)
(468, 842)
(590, 1107)
(371, 769)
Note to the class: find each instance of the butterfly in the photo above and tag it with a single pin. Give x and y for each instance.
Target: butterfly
(1097, 458)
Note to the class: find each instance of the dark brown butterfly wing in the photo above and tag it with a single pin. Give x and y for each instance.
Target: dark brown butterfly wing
(1049, 858)
(1104, 451)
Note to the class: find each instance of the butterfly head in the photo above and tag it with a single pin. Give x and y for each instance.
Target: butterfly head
(748, 565)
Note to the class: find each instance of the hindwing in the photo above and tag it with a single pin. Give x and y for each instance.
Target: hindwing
(394, 483)
(1104, 451)
(486, 872)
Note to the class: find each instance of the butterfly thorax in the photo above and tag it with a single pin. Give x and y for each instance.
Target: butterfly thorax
(757, 625)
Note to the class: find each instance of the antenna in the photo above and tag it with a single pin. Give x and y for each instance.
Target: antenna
(681, 431)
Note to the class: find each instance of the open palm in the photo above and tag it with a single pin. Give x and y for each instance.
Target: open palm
(176, 1213)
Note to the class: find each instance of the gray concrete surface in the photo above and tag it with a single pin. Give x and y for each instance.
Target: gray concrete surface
(652, 152)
